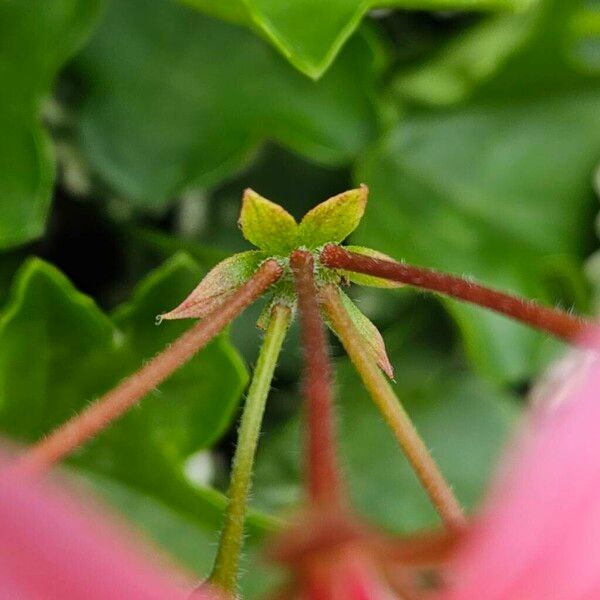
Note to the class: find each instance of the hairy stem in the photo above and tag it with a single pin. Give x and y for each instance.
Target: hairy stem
(225, 571)
(101, 413)
(551, 320)
(323, 473)
(380, 390)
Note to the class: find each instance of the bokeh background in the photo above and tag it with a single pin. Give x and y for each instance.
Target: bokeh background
(128, 131)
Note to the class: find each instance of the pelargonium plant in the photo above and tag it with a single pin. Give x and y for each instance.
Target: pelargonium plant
(303, 267)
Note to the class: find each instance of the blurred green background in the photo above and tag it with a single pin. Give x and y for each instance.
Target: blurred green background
(129, 129)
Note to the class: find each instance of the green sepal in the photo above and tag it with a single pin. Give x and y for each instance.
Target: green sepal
(267, 225)
(217, 286)
(368, 332)
(333, 220)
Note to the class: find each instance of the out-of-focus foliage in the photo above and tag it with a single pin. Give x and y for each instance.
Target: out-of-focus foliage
(503, 184)
(159, 117)
(37, 37)
(505, 179)
(310, 33)
(59, 351)
(477, 132)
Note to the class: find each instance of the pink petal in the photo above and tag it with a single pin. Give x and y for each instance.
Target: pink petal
(51, 550)
(540, 536)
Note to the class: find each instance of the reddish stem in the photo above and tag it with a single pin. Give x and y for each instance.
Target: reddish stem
(101, 413)
(323, 472)
(551, 320)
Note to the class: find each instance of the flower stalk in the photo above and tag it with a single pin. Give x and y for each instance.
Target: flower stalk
(101, 413)
(226, 568)
(551, 320)
(323, 473)
(405, 432)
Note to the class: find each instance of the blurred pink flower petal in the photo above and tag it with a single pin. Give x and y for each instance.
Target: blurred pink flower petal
(51, 550)
(539, 538)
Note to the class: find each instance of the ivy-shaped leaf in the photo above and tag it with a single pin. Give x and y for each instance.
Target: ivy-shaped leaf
(157, 118)
(310, 34)
(37, 38)
(58, 351)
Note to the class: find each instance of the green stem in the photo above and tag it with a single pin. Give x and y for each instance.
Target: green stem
(225, 571)
(393, 412)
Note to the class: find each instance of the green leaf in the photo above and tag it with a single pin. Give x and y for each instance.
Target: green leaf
(310, 34)
(37, 38)
(58, 351)
(549, 63)
(333, 220)
(26, 178)
(232, 11)
(217, 286)
(463, 420)
(468, 60)
(369, 280)
(544, 51)
(190, 110)
(267, 225)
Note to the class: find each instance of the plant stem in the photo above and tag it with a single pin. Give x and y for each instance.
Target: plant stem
(225, 571)
(101, 413)
(380, 390)
(551, 320)
(323, 473)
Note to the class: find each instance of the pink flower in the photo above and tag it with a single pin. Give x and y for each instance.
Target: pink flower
(539, 538)
(51, 549)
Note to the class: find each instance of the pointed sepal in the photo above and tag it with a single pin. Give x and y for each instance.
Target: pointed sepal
(369, 333)
(267, 225)
(333, 220)
(217, 286)
(369, 280)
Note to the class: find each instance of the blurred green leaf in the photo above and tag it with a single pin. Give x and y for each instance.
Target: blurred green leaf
(37, 38)
(500, 192)
(310, 33)
(189, 110)
(58, 351)
(538, 52)
(466, 61)
(549, 62)
(232, 11)
(501, 186)
(462, 419)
